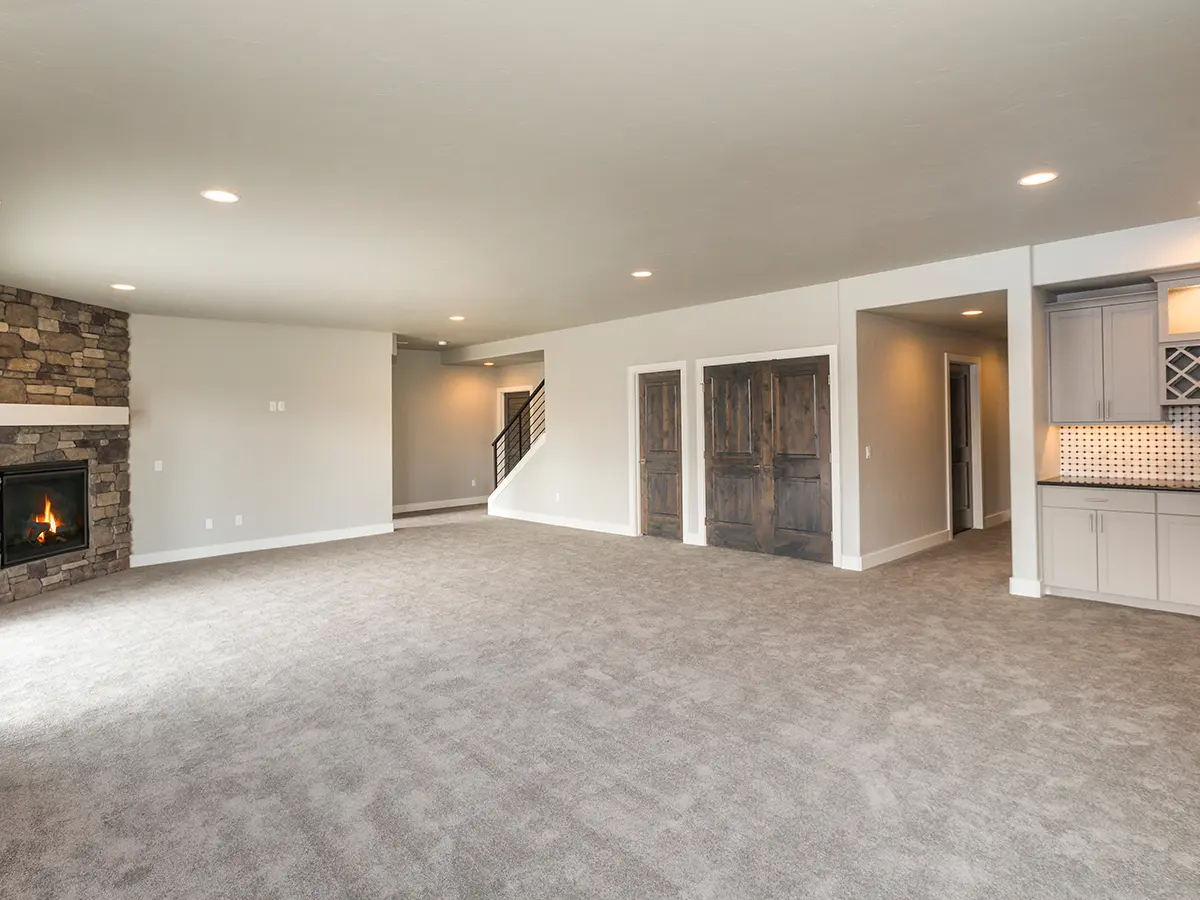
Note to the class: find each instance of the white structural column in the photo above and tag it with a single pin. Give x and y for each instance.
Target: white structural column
(1027, 417)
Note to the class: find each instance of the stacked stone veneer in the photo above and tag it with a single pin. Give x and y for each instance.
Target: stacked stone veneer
(59, 352)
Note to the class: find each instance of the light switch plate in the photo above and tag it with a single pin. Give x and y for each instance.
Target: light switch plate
(274, 406)
(282, 406)
(208, 523)
(237, 520)
(158, 465)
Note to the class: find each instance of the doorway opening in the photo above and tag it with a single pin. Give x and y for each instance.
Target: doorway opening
(964, 444)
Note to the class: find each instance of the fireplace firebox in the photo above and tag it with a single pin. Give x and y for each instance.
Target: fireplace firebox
(45, 511)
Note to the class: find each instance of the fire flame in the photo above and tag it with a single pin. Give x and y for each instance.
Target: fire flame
(47, 518)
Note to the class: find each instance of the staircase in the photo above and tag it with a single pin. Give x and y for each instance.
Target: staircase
(526, 426)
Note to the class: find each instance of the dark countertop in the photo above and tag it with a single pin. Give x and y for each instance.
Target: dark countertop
(1132, 484)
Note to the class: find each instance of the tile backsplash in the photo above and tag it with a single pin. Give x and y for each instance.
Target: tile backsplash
(1168, 451)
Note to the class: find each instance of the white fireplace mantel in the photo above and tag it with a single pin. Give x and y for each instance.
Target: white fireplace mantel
(62, 416)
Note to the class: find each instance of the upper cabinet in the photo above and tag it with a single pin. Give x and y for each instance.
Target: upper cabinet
(1104, 363)
(1179, 309)
(1179, 334)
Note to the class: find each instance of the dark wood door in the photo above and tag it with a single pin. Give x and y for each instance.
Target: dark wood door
(768, 465)
(961, 501)
(516, 441)
(799, 452)
(661, 451)
(733, 460)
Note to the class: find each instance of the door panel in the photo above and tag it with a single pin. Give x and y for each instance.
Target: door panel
(1069, 548)
(734, 426)
(1131, 377)
(801, 497)
(661, 455)
(961, 501)
(1179, 559)
(796, 428)
(1076, 365)
(1128, 554)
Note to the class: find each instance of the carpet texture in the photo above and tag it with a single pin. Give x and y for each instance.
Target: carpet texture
(493, 709)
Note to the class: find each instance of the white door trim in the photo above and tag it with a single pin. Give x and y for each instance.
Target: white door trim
(977, 519)
(700, 537)
(635, 436)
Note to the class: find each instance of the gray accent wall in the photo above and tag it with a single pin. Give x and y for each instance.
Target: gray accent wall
(199, 399)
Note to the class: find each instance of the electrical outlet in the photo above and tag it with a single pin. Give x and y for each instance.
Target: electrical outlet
(282, 406)
(273, 406)
(473, 480)
(158, 465)
(208, 523)
(868, 451)
(237, 520)
(557, 497)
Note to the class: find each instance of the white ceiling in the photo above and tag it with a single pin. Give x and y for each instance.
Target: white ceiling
(948, 313)
(513, 162)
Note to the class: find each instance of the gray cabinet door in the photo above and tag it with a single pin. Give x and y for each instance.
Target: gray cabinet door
(1179, 559)
(1128, 554)
(1076, 365)
(1069, 548)
(1131, 376)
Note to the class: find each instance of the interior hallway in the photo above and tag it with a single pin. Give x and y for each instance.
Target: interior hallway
(500, 709)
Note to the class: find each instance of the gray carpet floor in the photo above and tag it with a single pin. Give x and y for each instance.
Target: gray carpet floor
(492, 709)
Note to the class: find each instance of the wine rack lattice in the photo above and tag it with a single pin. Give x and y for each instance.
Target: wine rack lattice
(1181, 368)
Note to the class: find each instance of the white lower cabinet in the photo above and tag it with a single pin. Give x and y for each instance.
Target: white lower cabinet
(1122, 546)
(1069, 550)
(1179, 559)
(1127, 558)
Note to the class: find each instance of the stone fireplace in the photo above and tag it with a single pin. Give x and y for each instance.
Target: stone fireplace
(64, 443)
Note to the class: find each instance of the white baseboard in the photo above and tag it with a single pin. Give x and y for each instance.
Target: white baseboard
(1024, 587)
(438, 504)
(899, 551)
(997, 519)
(273, 543)
(1182, 609)
(623, 529)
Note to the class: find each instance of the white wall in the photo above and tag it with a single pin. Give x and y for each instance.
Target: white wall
(586, 459)
(199, 398)
(902, 417)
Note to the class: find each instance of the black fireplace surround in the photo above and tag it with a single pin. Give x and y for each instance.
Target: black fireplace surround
(45, 511)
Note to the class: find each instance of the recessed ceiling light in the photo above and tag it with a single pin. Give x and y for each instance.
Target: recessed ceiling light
(219, 196)
(973, 312)
(442, 343)
(122, 287)
(457, 318)
(641, 273)
(1038, 178)
(489, 363)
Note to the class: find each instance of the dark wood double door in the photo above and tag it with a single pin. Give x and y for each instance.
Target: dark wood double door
(767, 457)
